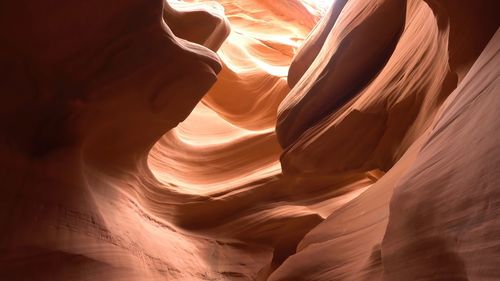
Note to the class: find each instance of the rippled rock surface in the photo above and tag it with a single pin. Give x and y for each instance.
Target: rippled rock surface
(249, 140)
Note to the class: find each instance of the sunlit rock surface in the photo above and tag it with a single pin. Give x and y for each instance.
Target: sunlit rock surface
(250, 140)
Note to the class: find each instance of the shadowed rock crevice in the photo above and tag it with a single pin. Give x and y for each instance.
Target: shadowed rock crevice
(249, 140)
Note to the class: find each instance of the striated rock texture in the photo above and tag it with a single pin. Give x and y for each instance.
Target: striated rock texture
(250, 140)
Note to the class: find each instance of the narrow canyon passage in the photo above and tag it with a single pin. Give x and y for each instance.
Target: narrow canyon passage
(279, 140)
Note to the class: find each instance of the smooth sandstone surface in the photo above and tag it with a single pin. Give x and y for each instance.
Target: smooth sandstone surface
(249, 140)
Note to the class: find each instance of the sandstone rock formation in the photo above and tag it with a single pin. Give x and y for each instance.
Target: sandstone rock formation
(250, 140)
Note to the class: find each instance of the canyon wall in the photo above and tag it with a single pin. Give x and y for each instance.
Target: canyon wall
(250, 140)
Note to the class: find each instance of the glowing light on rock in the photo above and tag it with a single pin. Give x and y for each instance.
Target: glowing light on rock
(318, 6)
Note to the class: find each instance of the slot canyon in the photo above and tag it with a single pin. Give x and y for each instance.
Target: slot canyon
(267, 140)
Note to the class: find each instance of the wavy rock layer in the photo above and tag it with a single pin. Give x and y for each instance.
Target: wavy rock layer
(249, 140)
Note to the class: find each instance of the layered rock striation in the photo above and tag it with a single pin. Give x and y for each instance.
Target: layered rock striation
(249, 140)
